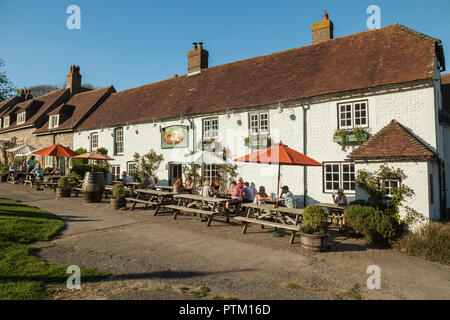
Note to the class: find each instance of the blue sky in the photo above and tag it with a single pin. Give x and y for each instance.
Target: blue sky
(132, 43)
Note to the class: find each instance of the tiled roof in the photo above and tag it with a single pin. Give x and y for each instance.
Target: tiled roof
(390, 55)
(392, 142)
(445, 88)
(79, 105)
(5, 106)
(47, 102)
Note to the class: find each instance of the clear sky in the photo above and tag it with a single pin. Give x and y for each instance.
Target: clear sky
(132, 43)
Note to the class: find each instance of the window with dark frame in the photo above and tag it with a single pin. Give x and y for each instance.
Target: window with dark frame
(115, 171)
(118, 141)
(353, 115)
(210, 128)
(339, 175)
(94, 141)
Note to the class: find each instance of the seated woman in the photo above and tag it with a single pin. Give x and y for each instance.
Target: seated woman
(236, 195)
(287, 198)
(215, 185)
(207, 189)
(178, 186)
(189, 185)
(341, 201)
(261, 196)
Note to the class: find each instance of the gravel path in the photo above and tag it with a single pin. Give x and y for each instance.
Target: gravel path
(158, 258)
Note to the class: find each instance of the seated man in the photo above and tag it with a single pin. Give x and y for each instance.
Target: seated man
(236, 195)
(287, 198)
(12, 168)
(249, 197)
(124, 176)
(38, 172)
(148, 180)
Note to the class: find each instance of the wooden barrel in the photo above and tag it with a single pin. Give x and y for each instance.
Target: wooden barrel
(93, 186)
(314, 242)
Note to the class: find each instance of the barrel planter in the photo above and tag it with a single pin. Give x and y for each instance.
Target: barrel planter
(63, 193)
(314, 242)
(93, 187)
(118, 203)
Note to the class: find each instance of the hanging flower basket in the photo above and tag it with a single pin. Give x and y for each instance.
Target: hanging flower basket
(258, 142)
(345, 136)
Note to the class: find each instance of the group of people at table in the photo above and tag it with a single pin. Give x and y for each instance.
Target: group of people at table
(31, 166)
(239, 192)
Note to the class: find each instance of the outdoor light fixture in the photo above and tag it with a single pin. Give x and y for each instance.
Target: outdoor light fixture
(280, 108)
(181, 119)
(128, 125)
(154, 123)
(227, 115)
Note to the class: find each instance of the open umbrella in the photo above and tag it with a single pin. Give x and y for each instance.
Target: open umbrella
(57, 151)
(279, 154)
(93, 156)
(21, 150)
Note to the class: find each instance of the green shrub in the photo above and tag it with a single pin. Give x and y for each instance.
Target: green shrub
(314, 220)
(74, 176)
(381, 227)
(64, 183)
(119, 191)
(48, 170)
(431, 241)
(81, 170)
(79, 162)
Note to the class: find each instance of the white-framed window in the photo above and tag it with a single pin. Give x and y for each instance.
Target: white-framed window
(210, 172)
(6, 122)
(259, 123)
(21, 117)
(118, 141)
(389, 185)
(131, 168)
(53, 121)
(353, 115)
(339, 175)
(210, 128)
(115, 171)
(94, 141)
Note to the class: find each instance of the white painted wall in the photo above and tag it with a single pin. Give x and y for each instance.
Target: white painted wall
(412, 108)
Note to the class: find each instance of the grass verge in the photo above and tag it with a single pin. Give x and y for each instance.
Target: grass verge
(24, 276)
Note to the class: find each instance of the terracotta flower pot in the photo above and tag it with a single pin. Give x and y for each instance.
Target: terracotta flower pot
(314, 242)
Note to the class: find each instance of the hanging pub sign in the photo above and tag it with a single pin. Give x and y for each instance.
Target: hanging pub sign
(175, 137)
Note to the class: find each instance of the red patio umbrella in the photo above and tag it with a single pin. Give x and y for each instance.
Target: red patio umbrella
(93, 156)
(279, 154)
(56, 150)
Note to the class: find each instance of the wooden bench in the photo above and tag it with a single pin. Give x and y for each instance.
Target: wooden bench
(245, 221)
(195, 211)
(135, 201)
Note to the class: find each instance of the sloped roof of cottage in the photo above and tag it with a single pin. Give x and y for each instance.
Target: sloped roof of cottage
(390, 55)
(46, 101)
(79, 106)
(393, 142)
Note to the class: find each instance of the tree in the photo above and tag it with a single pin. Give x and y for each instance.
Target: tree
(148, 163)
(40, 90)
(79, 162)
(102, 163)
(7, 88)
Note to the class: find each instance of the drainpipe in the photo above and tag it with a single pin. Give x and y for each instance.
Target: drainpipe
(305, 151)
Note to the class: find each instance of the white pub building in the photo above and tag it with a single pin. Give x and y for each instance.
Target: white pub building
(382, 86)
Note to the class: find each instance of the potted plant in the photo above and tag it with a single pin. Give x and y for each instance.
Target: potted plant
(313, 234)
(64, 188)
(118, 201)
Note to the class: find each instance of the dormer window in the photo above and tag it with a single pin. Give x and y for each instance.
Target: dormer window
(6, 122)
(21, 117)
(54, 121)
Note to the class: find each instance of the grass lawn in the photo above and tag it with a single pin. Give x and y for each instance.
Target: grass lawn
(22, 275)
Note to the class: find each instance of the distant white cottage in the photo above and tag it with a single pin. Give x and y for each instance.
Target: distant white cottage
(383, 86)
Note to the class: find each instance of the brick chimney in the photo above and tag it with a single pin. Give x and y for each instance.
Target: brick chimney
(197, 58)
(322, 30)
(74, 80)
(28, 95)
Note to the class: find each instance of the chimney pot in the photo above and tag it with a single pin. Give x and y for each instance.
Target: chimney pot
(195, 45)
(74, 80)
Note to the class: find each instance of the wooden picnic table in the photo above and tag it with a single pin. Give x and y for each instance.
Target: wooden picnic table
(339, 210)
(196, 204)
(263, 215)
(155, 198)
(164, 188)
(223, 195)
